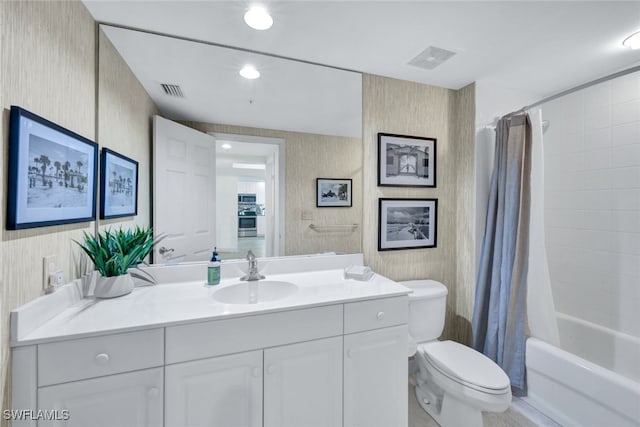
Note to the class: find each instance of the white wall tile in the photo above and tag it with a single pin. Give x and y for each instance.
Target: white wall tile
(597, 159)
(599, 94)
(626, 112)
(628, 199)
(595, 179)
(628, 177)
(597, 116)
(626, 134)
(628, 316)
(626, 155)
(626, 243)
(626, 88)
(597, 138)
(625, 221)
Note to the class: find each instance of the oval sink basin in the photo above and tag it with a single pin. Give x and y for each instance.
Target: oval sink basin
(254, 292)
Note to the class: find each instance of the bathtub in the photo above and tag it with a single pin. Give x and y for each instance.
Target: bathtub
(575, 391)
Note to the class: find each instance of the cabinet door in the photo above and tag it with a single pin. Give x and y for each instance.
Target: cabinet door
(375, 378)
(220, 391)
(133, 399)
(303, 384)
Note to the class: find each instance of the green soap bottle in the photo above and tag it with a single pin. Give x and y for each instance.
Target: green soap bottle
(213, 271)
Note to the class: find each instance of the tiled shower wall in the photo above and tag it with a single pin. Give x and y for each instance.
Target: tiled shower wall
(592, 203)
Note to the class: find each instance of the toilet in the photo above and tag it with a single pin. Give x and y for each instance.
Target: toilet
(454, 383)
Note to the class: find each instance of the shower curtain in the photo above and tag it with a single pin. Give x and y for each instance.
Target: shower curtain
(499, 317)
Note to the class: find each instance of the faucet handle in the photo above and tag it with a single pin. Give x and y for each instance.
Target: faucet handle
(250, 255)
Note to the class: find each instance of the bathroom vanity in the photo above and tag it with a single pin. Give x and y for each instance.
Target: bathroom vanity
(329, 351)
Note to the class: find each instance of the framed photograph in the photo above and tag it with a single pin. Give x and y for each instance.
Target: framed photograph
(406, 161)
(52, 173)
(407, 223)
(119, 188)
(333, 193)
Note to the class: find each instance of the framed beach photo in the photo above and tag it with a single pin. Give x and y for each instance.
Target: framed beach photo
(119, 185)
(406, 161)
(333, 193)
(407, 223)
(52, 173)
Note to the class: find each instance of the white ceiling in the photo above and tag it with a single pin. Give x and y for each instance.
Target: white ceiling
(538, 47)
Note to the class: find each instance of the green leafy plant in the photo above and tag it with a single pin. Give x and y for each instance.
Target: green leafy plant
(114, 252)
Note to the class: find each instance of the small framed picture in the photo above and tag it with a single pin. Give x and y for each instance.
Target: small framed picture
(407, 223)
(333, 193)
(119, 189)
(52, 176)
(406, 161)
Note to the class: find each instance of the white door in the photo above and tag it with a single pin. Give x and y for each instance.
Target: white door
(220, 391)
(375, 378)
(133, 399)
(184, 192)
(303, 384)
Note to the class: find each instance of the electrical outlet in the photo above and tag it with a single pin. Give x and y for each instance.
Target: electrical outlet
(48, 268)
(58, 278)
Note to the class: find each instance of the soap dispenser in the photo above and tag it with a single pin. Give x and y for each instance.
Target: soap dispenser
(213, 271)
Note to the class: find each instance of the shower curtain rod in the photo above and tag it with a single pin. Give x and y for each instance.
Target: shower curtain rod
(574, 89)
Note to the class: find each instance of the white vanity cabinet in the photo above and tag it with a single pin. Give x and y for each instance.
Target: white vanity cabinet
(218, 391)
(333, 365)
(375, 363)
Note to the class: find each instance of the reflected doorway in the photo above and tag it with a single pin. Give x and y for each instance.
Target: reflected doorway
(249, 193)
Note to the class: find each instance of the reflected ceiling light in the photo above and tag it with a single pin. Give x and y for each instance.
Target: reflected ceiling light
(226, 146)
(633, 41)
(249, 166)
(249, 72)
(258, 18)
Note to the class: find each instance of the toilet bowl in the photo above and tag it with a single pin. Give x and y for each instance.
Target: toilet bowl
(454, 383)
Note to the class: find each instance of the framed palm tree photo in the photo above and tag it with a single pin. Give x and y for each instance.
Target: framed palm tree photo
(52, 176)
(119, 185)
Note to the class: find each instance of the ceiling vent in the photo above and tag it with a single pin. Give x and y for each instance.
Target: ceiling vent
(430, 58)
(172, 90)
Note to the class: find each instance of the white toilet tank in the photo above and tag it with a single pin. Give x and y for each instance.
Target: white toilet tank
(427, 306)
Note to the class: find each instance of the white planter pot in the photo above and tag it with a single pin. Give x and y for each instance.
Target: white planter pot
(111, 287)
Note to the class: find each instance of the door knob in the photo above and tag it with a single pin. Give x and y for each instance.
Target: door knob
(165, 251)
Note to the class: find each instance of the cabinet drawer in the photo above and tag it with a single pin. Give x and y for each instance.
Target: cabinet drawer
(93, 357)
(219, 337)
(374, 314)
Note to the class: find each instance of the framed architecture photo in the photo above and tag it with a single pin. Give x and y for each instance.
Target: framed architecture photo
(407, 223)
(333, 193)
(52, 176)
(406, 161)
(119, 185)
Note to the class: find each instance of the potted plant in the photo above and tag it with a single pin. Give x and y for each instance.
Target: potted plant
(113, 253)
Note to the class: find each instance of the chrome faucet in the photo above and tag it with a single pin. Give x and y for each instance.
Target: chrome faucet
(253, 273)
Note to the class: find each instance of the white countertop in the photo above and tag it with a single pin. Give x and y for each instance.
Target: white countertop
(186, 302)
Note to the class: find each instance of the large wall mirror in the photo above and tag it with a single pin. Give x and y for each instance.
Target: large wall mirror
(274, 136)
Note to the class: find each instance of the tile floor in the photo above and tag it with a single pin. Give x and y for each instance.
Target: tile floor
(520, 414)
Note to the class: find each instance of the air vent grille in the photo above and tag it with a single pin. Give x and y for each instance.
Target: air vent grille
(172, 90)
(431, 57)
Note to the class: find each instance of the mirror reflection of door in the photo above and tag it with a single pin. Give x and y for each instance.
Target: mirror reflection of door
(247, 196)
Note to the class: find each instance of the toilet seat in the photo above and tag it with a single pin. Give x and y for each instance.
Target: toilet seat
(465, 366)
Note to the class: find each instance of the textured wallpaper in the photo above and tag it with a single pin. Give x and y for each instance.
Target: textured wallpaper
(307, 157)
(408, 108)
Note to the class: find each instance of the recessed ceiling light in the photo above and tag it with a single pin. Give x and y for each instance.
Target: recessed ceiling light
(633, 41)
(249, 72)
(249, 166)
(226, 146)
(258, 18)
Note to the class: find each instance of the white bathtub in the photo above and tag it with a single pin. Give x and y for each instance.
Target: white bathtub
(577, 392)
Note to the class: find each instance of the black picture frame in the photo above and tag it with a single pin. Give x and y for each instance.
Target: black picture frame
(407, 224)
(52, 176)
(118, 195)
(332, 193)
(416, 154)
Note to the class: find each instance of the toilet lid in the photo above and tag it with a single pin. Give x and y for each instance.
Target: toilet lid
(465, 365)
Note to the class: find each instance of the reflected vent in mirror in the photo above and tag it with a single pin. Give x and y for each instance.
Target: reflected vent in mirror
(172, 90)
(431, 57)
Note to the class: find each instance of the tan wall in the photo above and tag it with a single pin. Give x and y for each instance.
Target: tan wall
(49, 67)
(408, 108)
(307, 157)
(124, 125)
